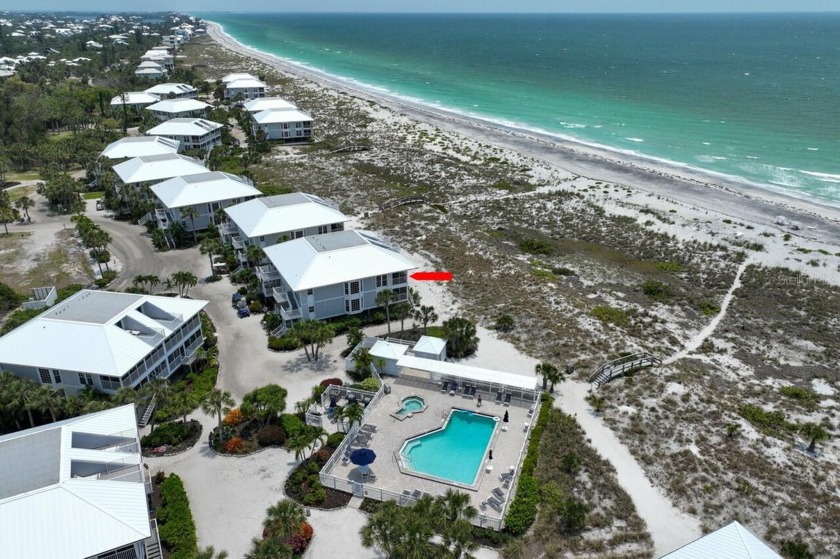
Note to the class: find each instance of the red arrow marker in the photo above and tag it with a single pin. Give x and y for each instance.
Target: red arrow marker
(431, 276)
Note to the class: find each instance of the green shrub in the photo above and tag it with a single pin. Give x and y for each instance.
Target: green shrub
(17, 318)
(767, 421)
(505, 323)
(9, 298)
(671, 267)
(563, 271)
(370, 384)
(256, 307)
(656, 289)
(107, 277)
(291, 424)
(709, 308)
(283, 343)
(169, 434)
(801, 394)
(273, 435)
(335, 439)
(536, 246)
(796, 549)
(610, 315)
(175, 521)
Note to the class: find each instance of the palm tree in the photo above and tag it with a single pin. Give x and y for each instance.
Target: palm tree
(815, 432)
(161, 390)
(210, 246)
(138, 280)
(6, 216)
(271, 548)
(283, 519)
(125, 395)
(184, 280)
(152, 280)
(191, 213)
(424, 315)
(210, 553)
(554, 376)
(401, 312)
(50, 401)
(414, 297)
(24, 203)
(317, 435)
(384, 299)
(299, 444)
(181, 403)
(217, 402)
(353, 413)
(26, 397)
(254, 254)
(544, 369)
(381, 528)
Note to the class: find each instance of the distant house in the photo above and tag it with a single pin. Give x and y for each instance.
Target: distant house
(176, 90)
(150, 73)
(206, 193)
(733, 541)
(288, 125)
(269, 220)
(151, 169)
(140, 146)
(93, 45)
(151, 64)
(267, 103)
(87, 474)
(329, 275)
(104, 340)
(171, 41)
(248, 88)
(193, 133)
(162, 58)
(134, 99)
(238, 76)
(178, 108)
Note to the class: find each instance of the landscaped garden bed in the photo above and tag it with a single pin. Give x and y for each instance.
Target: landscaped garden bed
(304, 484)
(171, 438)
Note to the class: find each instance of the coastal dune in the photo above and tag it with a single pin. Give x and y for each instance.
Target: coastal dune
(681, 184)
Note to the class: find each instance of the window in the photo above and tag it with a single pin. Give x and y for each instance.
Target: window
(310, 292)
(298, 234)
(382, 281)
(45, 376)
(355, 304)
(346, 305)
(262, 238)
(86, 379)
(322, 229)
(399, 277)
(56, 376)
(311, 310)
(351, 288)
(337, 227)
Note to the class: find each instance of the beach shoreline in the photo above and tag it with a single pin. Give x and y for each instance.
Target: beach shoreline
(681, 184)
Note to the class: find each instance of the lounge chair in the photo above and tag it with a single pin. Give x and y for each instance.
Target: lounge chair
(506, 483)
(508, 396)
(345, 460)
(465, 391)
(443, 387)
(505, 476)
(453, 388)
(369, 428)
(499, 494)
(416, 494)
(473, 390)
(498, 397)
(494, 502)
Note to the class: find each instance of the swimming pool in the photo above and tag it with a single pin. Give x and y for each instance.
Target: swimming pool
(454, 453)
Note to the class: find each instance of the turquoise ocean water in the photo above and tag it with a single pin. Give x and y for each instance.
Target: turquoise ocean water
(751, 96)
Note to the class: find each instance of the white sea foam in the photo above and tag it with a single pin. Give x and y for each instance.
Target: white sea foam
(813, 149)
(707, 143)
(635, 139)
(824, 177)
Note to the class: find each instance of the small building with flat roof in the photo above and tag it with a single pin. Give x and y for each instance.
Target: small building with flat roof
(193, 133)
(269, 220)
(206, 193)
(104, 340)
(139, 146)
(329, 275)
(85, 478)
(178, 108)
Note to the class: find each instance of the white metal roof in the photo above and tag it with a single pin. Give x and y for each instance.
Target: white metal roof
(157, 168)
(283, 213)
(139, 146)
(135, 98)
(164, 89)
(733, 541)
(332, 258)
(266, 103)
(175, 106)
(274, 116)
(98, 332)
(429, 344)
(245, 83)
(150, 64)
(238, 76)
(86, 516)
(149, 71)
(466, 372)
(388, 350)
(184, 127)
(205, 188)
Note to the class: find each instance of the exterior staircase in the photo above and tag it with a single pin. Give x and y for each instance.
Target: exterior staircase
(622, 366)
(145, 219)
(144, 412)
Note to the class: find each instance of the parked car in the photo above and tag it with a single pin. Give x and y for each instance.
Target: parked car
(235, 298)
(100, 205)
(244, 312)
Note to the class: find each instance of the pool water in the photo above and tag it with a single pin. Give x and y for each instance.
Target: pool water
(455, 452)
(412, 404)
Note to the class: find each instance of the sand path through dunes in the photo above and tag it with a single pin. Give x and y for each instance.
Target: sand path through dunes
(669, 527)
(701, 336)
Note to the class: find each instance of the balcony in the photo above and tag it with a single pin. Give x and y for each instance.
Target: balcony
(279, 294)
(268, 273)
(162, 218)
(237, 243)
(228, 228)
(289, 314)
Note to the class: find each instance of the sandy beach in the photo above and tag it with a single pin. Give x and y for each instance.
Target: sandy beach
(738, 200)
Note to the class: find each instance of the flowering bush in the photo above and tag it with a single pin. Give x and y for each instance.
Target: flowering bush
(298, 543)
(307, 531)
(234, 417)
(331, 381)
(322, 456)
(234, 445)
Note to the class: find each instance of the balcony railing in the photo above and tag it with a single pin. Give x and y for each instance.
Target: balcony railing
(268, 273)
(152, 543)
(279, 294)
(237, 243)
(290, 314)
(228, 228)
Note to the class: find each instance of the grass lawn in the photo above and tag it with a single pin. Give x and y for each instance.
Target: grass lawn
(59, 135)
(25, 176)
(93, 195)
(19, 193)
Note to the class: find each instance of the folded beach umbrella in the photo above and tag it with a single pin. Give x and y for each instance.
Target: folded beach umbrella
(362, 456)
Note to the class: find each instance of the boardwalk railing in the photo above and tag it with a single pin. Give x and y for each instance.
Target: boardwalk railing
(416, 199)
(622, 366)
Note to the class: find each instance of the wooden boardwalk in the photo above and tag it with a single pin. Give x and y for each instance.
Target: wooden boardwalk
(416, 199)
(622, 366)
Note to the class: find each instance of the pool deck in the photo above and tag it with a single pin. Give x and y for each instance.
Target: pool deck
(392, 433)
